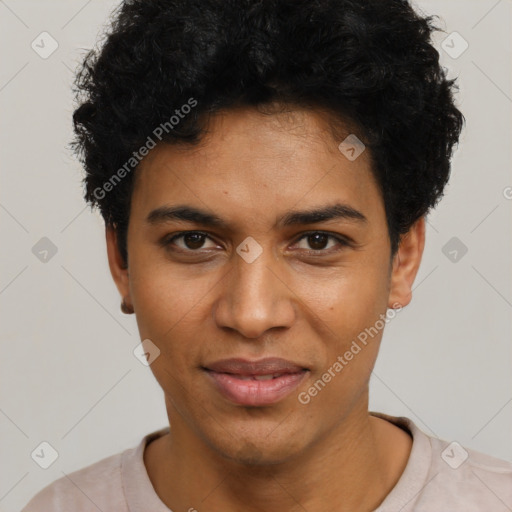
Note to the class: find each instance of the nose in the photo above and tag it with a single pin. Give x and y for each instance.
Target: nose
(254, 297)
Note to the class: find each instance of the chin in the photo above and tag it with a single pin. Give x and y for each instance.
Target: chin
(257, 449)
(252, 455)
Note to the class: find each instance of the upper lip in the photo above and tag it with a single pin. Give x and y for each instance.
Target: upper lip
(265, 366)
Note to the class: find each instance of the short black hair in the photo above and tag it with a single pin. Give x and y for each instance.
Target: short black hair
(165, 66)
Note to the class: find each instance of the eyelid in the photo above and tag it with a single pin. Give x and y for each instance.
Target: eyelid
(166, 240)
(342, 240)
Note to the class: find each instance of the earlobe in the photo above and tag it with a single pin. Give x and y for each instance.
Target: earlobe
(118, 269)
(406, 264)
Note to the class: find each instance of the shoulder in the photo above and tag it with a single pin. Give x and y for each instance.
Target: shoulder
(445, 476)
(95, 487)
(460, 474)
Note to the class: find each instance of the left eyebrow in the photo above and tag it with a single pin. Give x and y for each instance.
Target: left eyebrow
(316, 215)
(295, 217)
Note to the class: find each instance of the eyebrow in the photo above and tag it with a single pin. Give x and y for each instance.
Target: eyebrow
(295, 217)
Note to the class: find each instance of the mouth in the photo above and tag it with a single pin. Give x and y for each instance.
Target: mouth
(255, 383)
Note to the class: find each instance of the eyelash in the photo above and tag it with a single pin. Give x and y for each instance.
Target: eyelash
(167, 242)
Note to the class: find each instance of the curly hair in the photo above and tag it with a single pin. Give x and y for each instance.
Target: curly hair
(367, 63)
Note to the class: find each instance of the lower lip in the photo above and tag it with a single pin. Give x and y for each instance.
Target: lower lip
(256, 392)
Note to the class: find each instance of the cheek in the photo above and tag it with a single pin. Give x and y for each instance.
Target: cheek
(350, 352)
(163, 313)
(164, 299)
(168, 313)
(351, 309)
(348, 301)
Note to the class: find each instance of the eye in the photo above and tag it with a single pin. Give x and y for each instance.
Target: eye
(191, 241)
(319, 241)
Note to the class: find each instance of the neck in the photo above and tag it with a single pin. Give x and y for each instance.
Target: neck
(353, 467)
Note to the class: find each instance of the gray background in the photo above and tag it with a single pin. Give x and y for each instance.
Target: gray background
(68, 375)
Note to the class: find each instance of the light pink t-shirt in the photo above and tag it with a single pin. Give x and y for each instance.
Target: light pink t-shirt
(439, 477)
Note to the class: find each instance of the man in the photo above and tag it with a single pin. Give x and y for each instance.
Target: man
(264, 169)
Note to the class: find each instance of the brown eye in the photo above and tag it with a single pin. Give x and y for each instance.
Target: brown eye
(193, 240)
(189, 241)
(319, 241)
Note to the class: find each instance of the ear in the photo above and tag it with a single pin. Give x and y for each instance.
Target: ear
(406, 263)
(117, 267)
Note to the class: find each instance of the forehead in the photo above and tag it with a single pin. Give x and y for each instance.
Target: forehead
(256, 163)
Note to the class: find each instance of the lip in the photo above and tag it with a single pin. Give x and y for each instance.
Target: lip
(240, 366)
(236, 380)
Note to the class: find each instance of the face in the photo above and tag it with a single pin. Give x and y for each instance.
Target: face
(261, 281)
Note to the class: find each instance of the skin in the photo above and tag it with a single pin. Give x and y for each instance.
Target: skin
(202, 306)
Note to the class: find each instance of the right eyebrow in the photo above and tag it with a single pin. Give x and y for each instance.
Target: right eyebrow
(187, 214)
